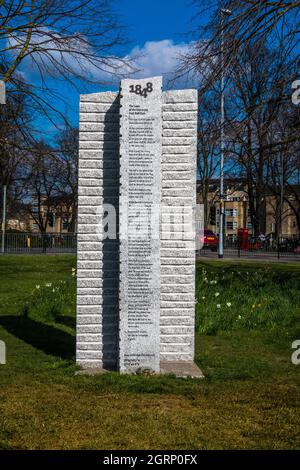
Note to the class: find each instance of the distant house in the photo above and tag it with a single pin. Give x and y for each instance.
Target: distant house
(237, 214)
(59, 214)
(60, 218)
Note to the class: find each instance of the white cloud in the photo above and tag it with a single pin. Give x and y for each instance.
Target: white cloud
(50, 52)
(156, 58)
(152, 59)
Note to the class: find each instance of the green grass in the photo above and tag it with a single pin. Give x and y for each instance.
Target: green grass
(249, 398)
(231, 297)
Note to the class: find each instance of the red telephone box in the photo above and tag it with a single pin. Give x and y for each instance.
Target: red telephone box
(243, 235)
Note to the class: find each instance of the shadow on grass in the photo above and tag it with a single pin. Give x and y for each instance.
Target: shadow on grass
(66, 320)
(47, 338)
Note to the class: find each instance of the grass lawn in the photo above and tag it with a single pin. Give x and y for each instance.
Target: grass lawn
(249, 399)
(246, 296)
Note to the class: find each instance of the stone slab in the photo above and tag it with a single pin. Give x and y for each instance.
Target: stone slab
(181, 369)
(140, 198)
(98, 282)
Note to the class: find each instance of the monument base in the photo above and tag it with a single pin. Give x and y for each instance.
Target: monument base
(179, 369)
(92, 371)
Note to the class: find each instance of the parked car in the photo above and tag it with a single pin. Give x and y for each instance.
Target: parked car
(297, 250)
(210, 240)
(255, 244)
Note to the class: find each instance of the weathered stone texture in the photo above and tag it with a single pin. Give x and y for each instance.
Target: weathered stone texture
(98, 259)
(98, 185)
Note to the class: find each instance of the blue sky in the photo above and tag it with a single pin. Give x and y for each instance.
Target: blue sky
(156, 33)
(157, 19)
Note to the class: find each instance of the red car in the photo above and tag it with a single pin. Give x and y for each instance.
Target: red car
(210, 240)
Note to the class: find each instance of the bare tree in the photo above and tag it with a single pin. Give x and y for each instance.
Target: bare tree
(249, 23)
(67, 152)
(261, 39)
(260, 21)
(285, 165)
(256, 82)
(41, 185)
(70, 41)
(255, 88)
(208, 142)
(15, 139)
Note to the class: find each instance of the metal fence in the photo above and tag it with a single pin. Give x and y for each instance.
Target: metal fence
(282, 248)
(25, 242)
(17, 242)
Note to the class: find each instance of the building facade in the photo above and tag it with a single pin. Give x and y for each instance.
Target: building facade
(237, 213)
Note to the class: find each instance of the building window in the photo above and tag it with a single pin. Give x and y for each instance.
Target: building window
(65, 224)
(233, 199)
(34, 208)
(231, 225)
(231, 212)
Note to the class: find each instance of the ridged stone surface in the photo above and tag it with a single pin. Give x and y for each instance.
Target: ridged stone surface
(98, 259)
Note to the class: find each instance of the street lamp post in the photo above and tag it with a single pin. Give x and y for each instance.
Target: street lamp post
(3, 101)
(2, 92)
(3, 221)
(224, 13)
(281, 197)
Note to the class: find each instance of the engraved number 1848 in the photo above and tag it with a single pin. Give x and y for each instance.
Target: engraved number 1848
(138, 90)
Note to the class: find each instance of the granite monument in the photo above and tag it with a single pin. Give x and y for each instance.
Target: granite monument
(136, 230)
